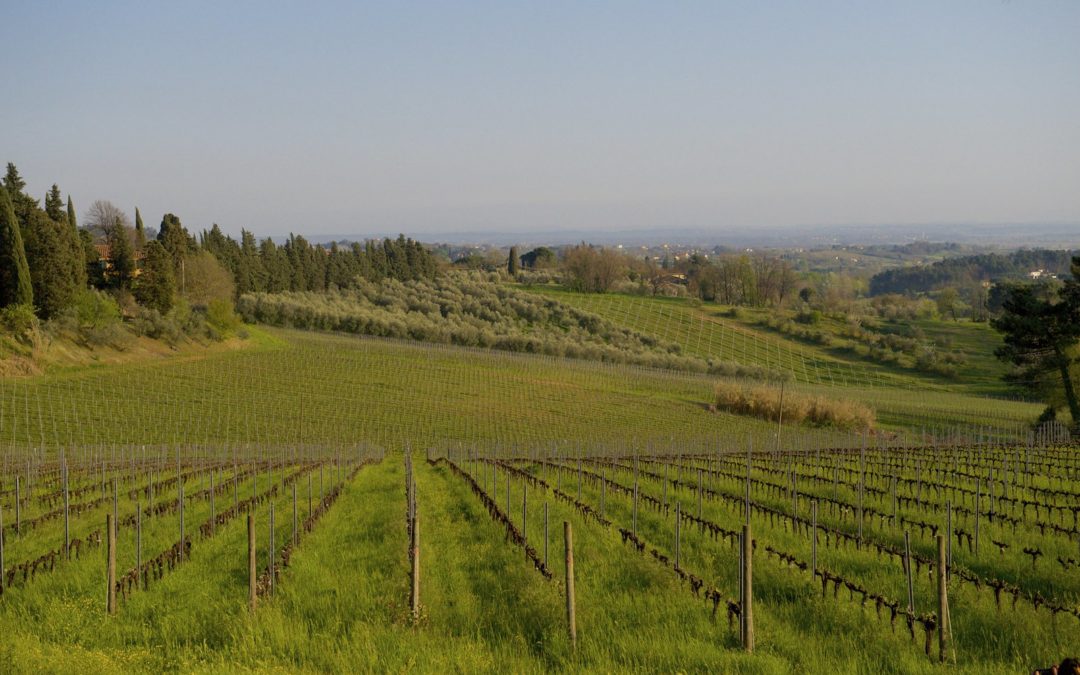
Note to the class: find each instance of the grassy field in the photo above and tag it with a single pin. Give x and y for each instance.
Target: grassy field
(242, 428)
(712, 331)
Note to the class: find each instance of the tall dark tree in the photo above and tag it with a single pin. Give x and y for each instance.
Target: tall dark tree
(12, 180)
(15, 284)
(140, 231)
(54, 204)
(55, 263)
(95, 270)
(175, 238)
(121, 256)
(156, 286)
(75, 242)
(71, 215)
(512, 262)
(22, 203)
(1041, 329)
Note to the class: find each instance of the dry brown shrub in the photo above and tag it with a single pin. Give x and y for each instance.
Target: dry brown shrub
(764, 402)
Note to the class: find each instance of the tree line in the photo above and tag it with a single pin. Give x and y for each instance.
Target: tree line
(966, 270)
(50, 264)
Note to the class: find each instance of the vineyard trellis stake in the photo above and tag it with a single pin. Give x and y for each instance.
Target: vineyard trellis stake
(747, 601)
(944, 620)
(110, 574)
(252, 563)
(571, 612)
(907, 571)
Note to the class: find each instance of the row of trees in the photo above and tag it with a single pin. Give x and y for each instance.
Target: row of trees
(47, 260)
(297, 265)
(750, 280)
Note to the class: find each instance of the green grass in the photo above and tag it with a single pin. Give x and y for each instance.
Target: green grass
(342, 604)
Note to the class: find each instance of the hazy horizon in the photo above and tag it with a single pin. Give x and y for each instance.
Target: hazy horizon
(436, 119)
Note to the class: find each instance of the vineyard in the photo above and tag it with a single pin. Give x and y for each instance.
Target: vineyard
(324, 502)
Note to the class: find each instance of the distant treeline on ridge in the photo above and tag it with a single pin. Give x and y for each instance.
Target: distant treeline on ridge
(1017, 265)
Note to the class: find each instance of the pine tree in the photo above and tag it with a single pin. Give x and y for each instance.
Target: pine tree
(15, 285)
(121, 257)
(157, 285)
(512, 262)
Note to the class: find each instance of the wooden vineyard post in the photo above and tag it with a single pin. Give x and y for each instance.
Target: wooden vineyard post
(578, 480)
(414, 596)
(2, 568)
(699, 494)
(67, 519)
(309, 495)
(571, 612)
(212, 504)
(907, 571)
(678, 526)
(524, 512)
(180, 499)
(978, 496)
(110, 535)
(138, 541)
(295, 532)
(545, 534)
(813, 516)
(862, 490)
(747, 605)
(603, 493)
(749, 462)
(948, 535)
(273, 550)
(251, 561)
(18, 507)
(508, 494)
(780, 418)
(635, 506)
(944, 628)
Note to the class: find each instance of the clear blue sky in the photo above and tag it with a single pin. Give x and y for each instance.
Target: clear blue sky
(449, 116)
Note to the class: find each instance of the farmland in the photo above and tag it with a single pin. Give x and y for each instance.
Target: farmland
(504, 448)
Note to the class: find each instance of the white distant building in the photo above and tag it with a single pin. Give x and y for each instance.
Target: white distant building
(1041, 274)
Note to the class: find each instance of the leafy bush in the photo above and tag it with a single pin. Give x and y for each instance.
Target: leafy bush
(220, 315)
(19, 321)
(95, 309)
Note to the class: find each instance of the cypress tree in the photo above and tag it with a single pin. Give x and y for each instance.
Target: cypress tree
(15, 286)
(13, 181)
(512, 262)
(121, 256)
(157, 285)
(140, 231)
(56, 270)
(54, 204)
(75, 242)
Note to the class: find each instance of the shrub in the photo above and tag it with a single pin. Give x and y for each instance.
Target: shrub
(221, 317)
(19, 321)
(764, 402)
